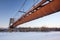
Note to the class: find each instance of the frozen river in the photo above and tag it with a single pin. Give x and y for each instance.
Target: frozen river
(29, 35)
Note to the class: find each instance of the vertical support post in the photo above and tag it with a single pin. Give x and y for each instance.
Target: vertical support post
(11, 21)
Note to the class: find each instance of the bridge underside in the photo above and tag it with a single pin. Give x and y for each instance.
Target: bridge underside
(38, 12)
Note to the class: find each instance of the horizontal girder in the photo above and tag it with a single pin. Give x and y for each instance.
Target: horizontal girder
(38, 12)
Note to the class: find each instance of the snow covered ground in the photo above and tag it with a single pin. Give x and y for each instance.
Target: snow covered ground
(29, 35)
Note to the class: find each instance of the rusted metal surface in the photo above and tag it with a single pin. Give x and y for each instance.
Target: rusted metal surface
(34, 7)
(49, 8)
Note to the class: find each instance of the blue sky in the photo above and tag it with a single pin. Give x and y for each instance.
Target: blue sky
(9, 8)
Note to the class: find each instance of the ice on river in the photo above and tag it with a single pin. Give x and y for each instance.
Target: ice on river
(29, 35)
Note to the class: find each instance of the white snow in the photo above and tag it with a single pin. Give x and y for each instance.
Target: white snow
(29, 35)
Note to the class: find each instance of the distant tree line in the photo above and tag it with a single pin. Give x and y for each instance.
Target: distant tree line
(29, 29)
(41, 29)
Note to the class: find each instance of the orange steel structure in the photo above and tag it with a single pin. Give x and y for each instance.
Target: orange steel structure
(38, 11)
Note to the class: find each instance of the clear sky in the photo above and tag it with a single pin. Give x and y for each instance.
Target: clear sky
(9, 8)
